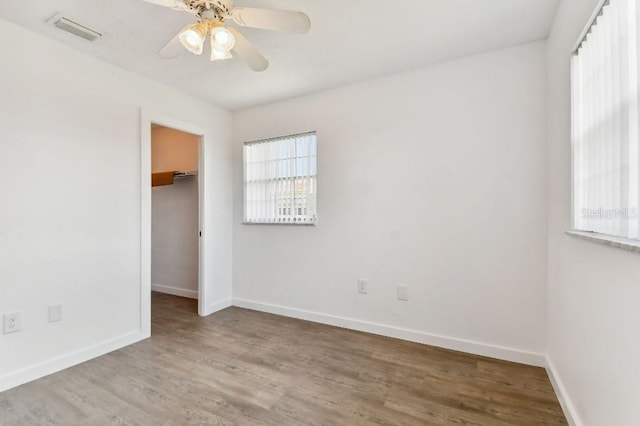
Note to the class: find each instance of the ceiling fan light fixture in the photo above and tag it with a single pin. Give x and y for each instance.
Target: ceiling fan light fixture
(212, 16)
(222, 38)
(218, 54)
(192, 38)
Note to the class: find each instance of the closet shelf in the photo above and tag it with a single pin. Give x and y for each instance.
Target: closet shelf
(167, 178)
(185, 174)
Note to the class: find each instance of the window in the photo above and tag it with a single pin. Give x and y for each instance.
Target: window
(280, 180)
(604, 85)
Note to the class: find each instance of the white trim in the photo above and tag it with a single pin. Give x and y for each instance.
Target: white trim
(218, 306)
(175, 291)
(53, 365)
(201, 225)
(145, 223)
(147, 117)
(462, 345)
(608, 240)
(568, 408)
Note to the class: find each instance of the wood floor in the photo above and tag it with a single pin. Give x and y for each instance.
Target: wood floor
(239, 367)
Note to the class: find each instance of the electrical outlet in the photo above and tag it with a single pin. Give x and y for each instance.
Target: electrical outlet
(403, 292)
(12, 322)
(55, 313)
(362, 286)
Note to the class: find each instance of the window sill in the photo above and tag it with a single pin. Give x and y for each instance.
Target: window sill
(279, 224)
(608, 240)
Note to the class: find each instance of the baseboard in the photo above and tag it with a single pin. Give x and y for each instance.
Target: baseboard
(563, 397)
(476, 348)
(56, 364)
(217, 306)
(175, 291)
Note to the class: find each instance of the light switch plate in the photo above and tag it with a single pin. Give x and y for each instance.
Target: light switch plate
(55, 313)
(403, 293)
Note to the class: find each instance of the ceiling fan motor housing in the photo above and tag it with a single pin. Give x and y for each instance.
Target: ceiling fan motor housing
(212, 10)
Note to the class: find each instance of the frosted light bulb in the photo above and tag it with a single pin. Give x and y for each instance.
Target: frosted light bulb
(222, 38)
(192, 38)
(218, 54)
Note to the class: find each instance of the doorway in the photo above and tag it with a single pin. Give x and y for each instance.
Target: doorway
(174, 214)
(172, 191)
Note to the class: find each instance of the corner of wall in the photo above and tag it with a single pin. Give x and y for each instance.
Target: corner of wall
(217, 306)
(563, 397)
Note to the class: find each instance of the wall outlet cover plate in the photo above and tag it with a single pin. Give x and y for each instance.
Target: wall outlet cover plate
(12, 322)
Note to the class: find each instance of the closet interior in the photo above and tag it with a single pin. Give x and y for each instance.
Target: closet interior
(175, 212)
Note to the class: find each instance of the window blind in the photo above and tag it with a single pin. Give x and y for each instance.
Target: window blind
(604, 75)
(280, 180)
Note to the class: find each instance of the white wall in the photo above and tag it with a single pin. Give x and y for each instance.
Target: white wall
(70, 191)
(434, 179)
(594, 290)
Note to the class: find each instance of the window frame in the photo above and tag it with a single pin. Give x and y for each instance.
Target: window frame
(614, 240)
(314, 222)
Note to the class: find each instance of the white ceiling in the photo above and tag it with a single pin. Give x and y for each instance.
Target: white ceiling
(349, 41)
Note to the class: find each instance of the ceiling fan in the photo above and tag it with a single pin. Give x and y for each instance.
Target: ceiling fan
(212, 15)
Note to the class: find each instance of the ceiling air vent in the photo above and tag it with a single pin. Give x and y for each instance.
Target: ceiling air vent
(76, 29)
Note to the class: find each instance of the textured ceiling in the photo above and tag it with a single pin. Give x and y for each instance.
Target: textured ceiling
(349, 41)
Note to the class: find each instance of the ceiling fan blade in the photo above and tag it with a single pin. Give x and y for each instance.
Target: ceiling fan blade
(245, 50)
(172, 4)
(271, 19)
(172, 49)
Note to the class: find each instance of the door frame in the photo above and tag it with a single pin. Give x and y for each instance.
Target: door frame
(147, 118)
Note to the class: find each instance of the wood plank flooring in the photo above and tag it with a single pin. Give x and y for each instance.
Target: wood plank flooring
(240, 367)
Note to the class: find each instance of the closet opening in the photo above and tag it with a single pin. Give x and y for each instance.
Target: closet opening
(175, 220)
